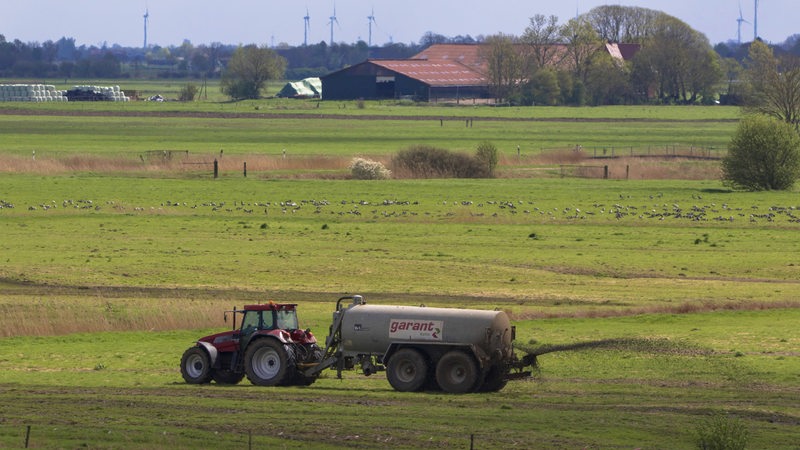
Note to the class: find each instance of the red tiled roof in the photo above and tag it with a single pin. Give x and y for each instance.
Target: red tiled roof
(434, 73)
(466, 54)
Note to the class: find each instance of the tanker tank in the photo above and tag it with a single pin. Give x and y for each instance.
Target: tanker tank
(371, 329)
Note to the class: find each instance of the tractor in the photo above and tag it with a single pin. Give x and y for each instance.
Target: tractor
(268, 347)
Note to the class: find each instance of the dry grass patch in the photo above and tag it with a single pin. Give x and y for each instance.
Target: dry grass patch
(169, 163)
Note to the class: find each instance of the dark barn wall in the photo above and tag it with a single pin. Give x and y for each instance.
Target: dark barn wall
(406, 87)
(344, 86)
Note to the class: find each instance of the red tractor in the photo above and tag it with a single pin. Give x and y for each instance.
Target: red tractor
(268, 347)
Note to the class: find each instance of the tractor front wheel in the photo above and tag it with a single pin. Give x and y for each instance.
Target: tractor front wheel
(267, 363)
(196, 366)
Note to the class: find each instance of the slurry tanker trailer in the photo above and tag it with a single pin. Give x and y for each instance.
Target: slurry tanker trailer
(419, 348)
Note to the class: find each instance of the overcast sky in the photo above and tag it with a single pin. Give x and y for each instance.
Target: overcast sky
(270, 22)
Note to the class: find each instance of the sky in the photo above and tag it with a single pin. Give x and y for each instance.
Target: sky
(272, 22)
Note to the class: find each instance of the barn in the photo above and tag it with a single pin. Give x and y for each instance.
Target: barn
(442, 72)
(416, 79)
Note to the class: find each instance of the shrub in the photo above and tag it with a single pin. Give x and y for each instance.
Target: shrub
(188, 92)
(365, 169)
(764, 154)
(487, 155)
(423, 161)
(721, 433)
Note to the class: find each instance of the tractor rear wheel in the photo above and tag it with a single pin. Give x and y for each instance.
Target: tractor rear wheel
(268, 363)
(196, 366)
(407, 370)
(457, 372)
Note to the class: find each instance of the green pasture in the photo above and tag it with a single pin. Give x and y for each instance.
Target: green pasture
(617, 245)
(212, 100)
(123, 390)
(130, 136)
(107, 276)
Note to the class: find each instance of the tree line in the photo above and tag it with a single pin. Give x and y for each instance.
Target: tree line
(548, 64)
(566, 64)
(64, 59)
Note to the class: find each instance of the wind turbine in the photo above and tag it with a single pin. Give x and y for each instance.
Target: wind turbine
(146, 19)
(333, 20)
(307, 25)
(371, 19)
(755, 22)
(740, 21)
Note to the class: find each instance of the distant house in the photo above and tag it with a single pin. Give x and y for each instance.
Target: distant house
(440, 72)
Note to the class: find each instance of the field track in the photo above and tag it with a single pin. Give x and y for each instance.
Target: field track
(285, 115)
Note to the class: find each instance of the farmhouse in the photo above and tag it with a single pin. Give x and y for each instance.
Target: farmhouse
(440, 72)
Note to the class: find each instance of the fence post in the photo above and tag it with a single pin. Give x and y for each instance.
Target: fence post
(245, 169)
(27, 436)
(628, 172)
(216, 168)
(605, 172)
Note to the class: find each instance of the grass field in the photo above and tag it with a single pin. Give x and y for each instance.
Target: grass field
(108, 276)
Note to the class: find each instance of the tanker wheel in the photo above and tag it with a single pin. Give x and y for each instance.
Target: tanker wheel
(267, 363)
(225, 376)
(495, 379)
(457, 372)
(407, 370)
(196, 366)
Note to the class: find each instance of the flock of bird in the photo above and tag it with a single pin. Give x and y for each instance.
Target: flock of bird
(619, 210)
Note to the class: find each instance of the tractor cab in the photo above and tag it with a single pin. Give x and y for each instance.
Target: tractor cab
(269, 316)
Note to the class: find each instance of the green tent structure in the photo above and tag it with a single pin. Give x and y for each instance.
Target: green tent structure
(305, 88)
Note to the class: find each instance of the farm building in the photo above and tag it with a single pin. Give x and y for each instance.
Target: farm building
(417, 79)
(440, 72)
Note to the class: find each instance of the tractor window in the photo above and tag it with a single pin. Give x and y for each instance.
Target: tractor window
(250, 321)
(287, 320)
(268, 320)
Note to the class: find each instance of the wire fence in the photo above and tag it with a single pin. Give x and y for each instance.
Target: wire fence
(674, 151)
(113, 436)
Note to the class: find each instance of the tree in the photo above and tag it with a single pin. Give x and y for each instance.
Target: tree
(582, 43)
(628, 24)
(487, 155)
(504, 66)
(676, 62)
(733, 72)
(188, 92)
(607, 81)
(249, 69)
(764, 154)
(544, 88)
(540, 37)
(774, 85)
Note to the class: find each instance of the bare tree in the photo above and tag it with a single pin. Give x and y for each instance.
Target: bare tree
(540, 39)
(504, 64)
(774, 85)
(629, 24)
